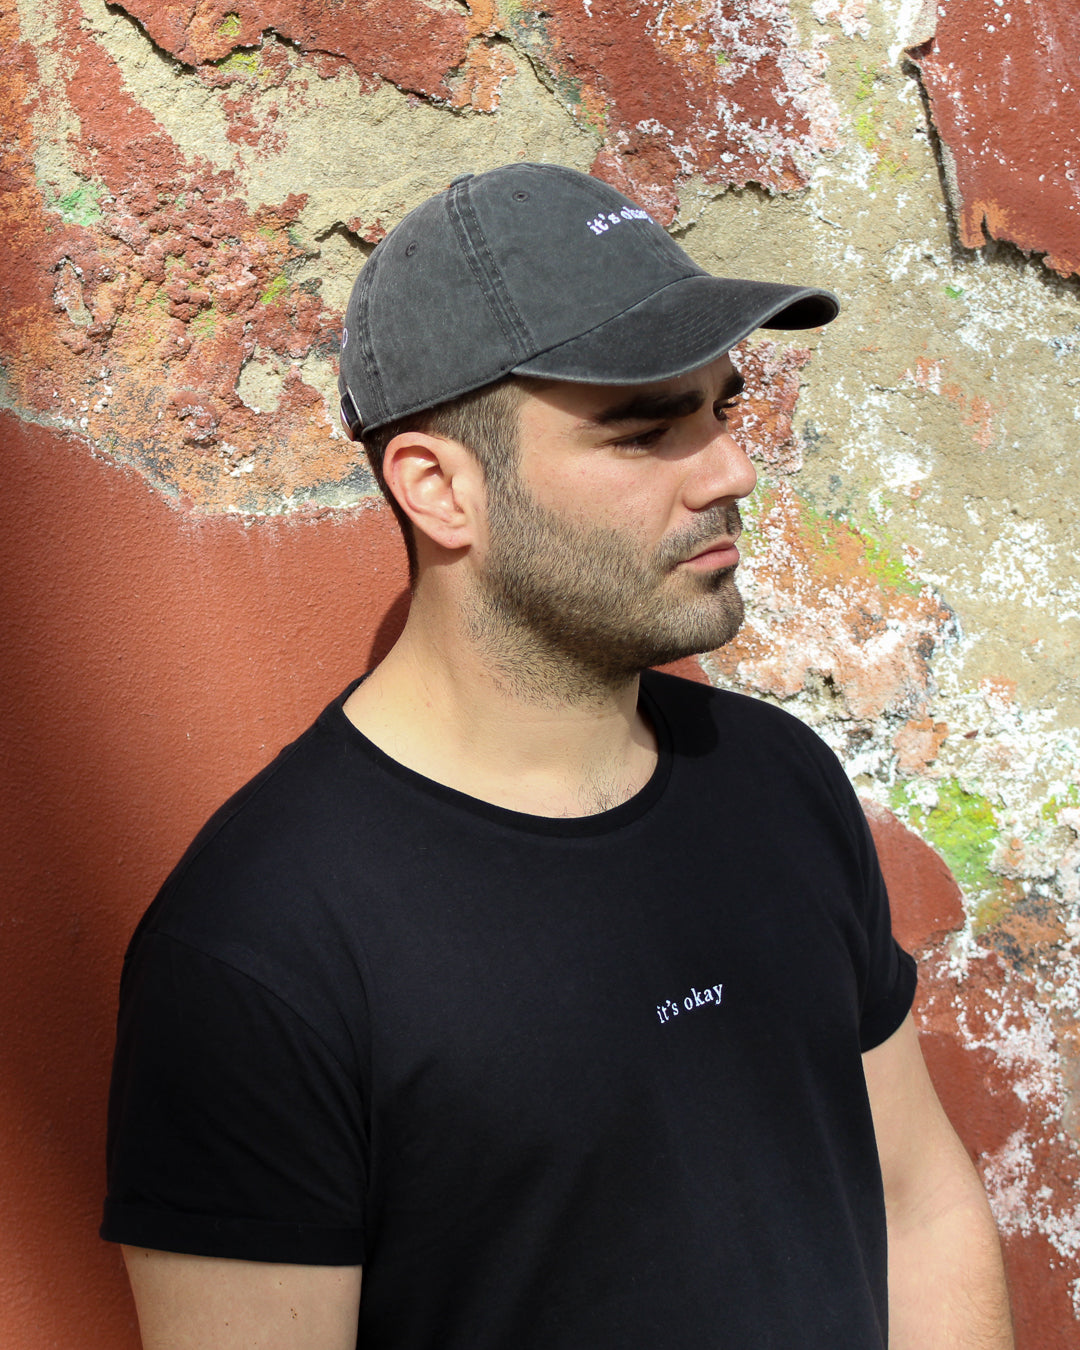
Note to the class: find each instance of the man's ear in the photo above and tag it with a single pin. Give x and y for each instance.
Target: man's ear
(438, 484)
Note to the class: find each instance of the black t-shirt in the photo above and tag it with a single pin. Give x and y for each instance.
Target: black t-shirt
(555, 1083)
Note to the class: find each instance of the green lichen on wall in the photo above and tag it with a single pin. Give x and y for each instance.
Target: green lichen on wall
(866, 122)
(277, 287)
(884, 553)
(884, 562)
(1051, 809)
(964, 829)
(834, 536)
(81, 206)
(241, 63)
(873, 107)
(203, 324)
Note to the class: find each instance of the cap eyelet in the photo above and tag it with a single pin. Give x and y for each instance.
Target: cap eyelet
(411, 249)
(521, 196)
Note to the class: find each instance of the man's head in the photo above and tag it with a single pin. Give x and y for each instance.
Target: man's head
(536, 292)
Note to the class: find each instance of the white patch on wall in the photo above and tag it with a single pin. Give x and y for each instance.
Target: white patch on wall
(260, 380)
(901, 470)
(849, 14)
(915, 22)
(1025, 566)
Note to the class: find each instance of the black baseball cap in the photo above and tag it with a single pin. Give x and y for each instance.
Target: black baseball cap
(536, 269)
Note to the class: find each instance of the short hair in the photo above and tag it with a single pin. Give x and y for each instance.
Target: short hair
(485, 421)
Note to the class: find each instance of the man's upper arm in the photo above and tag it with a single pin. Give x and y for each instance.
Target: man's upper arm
(213, 1303)
(918, 1148)
(946, 1279)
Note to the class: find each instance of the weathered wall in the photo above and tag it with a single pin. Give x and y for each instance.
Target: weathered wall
(193, 562)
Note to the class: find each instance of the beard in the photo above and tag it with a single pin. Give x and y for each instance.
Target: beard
(566, 610)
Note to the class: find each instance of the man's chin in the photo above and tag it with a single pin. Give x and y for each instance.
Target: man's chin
(722, 617)
(715, 631)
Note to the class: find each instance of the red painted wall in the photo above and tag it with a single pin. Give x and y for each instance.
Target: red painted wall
(1002, 82)
(150, 663)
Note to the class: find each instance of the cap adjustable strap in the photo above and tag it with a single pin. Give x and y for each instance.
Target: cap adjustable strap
(350, 418)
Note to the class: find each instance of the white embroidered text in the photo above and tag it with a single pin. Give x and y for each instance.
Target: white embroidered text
(696, 998)
(604, 221)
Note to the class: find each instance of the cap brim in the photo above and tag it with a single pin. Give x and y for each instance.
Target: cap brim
(679, 328)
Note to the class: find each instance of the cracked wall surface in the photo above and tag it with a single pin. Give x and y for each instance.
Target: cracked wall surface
(195, 557)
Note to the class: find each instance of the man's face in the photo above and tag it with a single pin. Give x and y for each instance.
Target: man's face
(613, 546)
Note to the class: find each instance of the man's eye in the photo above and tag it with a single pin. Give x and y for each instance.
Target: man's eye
(643, 440)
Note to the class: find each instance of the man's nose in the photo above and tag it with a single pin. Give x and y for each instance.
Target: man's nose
(724, 471)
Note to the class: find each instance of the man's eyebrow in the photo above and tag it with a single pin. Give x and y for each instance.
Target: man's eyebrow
(664, 407)
(650, 408)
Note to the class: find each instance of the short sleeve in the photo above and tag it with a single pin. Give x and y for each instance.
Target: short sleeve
(233, 1129)
(891, 973)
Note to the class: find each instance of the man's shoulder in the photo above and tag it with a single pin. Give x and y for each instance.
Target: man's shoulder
(691, 704)
(296, 791)
(270, 847)
(725, 733)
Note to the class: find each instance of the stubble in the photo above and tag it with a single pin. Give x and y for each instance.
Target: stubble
(570, 612)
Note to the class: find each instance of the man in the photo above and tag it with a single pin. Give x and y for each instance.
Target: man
(555, 996)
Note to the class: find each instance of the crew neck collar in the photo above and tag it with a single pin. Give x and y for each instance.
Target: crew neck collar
(336, 720)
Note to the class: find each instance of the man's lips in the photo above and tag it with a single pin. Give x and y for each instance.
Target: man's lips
(720, 553)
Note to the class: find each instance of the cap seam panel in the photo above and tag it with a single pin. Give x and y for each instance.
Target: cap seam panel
(492, 286)
(367, 355)
(456, 392)
(656, 242)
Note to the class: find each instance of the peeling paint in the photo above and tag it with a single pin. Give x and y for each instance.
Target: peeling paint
(687, 88)
(1003, 81)
(987, 1039)
(825, 617)
(203, 34)
(198, 250)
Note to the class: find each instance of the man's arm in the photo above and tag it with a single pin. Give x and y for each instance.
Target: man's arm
(946, 1278)
(209, 1303)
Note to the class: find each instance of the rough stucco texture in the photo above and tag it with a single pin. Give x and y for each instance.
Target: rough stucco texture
(739, 96)
(193, 559)
(1003, 79)
(164, 284)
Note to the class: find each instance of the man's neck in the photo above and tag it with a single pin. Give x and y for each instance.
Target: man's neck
(450, 712)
